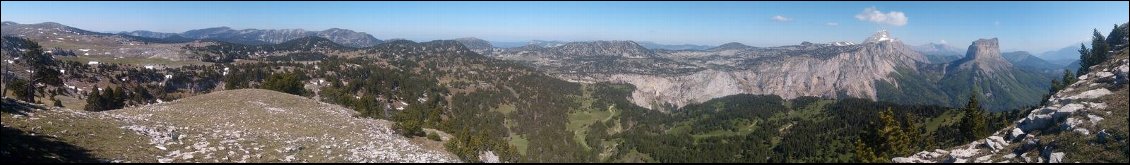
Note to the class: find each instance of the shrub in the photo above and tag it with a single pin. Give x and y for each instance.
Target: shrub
(434, 136)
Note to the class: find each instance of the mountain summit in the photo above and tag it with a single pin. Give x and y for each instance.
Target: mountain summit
(985, 54)
(880, 36)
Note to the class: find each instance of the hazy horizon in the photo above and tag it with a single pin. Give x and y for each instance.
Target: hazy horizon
(1024, 26)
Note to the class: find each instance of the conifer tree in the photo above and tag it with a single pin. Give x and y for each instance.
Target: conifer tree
(865, 154)
(1084, 59)
(895, 142)
(94, 101)
(1096, 55)
(973, 123)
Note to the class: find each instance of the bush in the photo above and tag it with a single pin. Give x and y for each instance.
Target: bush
(285, 82)
(409, 129)
(434, 136)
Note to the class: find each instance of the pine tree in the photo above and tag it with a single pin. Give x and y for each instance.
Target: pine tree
(1068, 79)
(1098, 53)
(1115, 36)
(895, 142)
(865, 154)
(973, 123)
(917, 134)
(42, 71)
(94, 101)
(1084, 59)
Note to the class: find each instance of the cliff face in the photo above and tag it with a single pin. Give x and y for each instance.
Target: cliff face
(831, 71)
(689, 76)
(984, 54)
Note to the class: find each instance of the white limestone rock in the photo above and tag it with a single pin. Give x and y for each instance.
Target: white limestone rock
(1056, 157)
(1094, 93)
(1016, 134)
(1070, 124)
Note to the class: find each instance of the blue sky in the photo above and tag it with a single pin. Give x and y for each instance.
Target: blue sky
(1031, 26)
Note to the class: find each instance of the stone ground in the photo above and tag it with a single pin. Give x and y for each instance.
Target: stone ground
(247, 125)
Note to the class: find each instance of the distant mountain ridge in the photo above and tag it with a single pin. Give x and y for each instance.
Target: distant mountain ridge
(260, 36)
(1026, 60)
(940, 53)
(1063, 55)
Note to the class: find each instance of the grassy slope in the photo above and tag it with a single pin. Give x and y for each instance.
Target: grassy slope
(36, 134)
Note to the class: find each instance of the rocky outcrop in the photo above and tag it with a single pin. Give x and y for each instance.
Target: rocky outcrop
(1077, 110)
(880, 36)
(984, 54)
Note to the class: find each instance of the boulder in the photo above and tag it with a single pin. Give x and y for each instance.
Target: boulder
(1035, 122)
(911, 159)
(1056, 157)
(488, 157)
(995, 143)
(1104, 77)
(1029, 144)
(1094, 93)
(953, 159)
(1067, 110)
(963, 153)
(1120, 73)
(1102, 136)
(1016, 134)
(1070, 124)
(1094, 119)
(1082, 131)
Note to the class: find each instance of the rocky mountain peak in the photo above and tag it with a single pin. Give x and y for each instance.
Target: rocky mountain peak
(985, 55)
(880, 36)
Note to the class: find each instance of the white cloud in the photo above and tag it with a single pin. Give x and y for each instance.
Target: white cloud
(943, 42)
(779, 18)
(871, 14)
(832, 24)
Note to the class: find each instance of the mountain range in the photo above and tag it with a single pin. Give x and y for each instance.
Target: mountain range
(264, 36)
(879, 68)
(939, 53)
